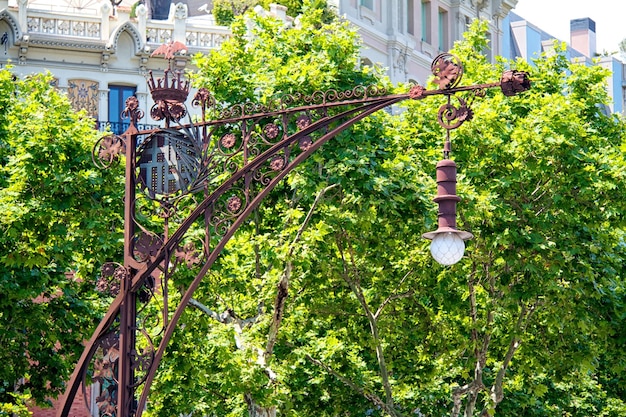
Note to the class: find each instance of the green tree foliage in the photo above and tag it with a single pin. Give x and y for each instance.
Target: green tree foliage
(17, 408)
(225, 11)
(542, 177)
(61, 219)
(264, 60)
(530, 323)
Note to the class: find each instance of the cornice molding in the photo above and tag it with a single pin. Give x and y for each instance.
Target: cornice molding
(67, 44)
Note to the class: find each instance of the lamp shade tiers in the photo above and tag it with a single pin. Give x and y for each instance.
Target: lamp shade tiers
(448, 244)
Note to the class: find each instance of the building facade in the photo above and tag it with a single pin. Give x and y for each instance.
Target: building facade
(404, 36)
(98, 53)
(525, 40)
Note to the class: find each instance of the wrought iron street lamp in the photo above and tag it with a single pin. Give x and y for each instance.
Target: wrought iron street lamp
(227, 165)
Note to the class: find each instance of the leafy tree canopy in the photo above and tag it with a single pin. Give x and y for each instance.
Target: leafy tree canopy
(264, 60)
(225, 11)
(61, 219)
(531, 322)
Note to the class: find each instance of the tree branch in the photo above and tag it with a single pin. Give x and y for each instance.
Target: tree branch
(496, 392)
(279, 310)
(358, 291)
(370, 396)
(459, 392)
(473, 389)
(394, 296)
(308, 217)
(283, 284)
(223, 318)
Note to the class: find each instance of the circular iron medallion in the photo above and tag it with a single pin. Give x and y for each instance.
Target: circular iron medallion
(169, 161)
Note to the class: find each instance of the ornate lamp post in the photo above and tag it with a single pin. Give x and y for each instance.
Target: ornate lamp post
(226, 165)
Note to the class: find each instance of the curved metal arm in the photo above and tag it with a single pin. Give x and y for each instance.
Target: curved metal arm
(261, 158)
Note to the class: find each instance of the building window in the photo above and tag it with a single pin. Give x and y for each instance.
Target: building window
(410, 17)
(118, 94)
(443, 30)
(368, 4)
(426, 18)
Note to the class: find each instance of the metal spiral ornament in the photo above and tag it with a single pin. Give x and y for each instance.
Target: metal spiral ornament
(451, 117)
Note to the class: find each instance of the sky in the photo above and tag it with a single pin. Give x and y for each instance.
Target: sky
(553, 17)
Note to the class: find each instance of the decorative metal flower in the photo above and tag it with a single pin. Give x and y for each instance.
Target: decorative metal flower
(305, 143)
(447, 70)
(514, 82)
(111, 278)
(228, 140)
(271, 130)
(416, 92)
(303, 122)
(110, 148)
(187, 254)
(277, 163)
(146, 246)
(233, 204)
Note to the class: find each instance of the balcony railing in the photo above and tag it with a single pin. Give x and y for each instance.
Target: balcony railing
(97, 24)
(120, 127)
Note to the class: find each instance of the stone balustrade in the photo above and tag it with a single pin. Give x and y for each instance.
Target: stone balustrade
(100, 22)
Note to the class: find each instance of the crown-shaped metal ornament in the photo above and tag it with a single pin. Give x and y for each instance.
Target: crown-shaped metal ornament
(170, 91)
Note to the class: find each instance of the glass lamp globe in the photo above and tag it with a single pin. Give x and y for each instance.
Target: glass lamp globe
(447, 248)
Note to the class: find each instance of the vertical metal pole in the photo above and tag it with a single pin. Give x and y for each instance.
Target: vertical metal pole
(125, 394)
(128, 309)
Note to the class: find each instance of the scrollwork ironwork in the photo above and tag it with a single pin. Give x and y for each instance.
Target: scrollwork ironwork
(451, 116)
(105, 373)
(333, 96)
(226, 167)
(107, 151)
(228, 208)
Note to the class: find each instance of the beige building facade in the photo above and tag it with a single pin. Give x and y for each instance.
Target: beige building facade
(99, 54)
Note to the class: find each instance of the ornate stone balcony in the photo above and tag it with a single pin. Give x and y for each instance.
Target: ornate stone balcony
(96, 25)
